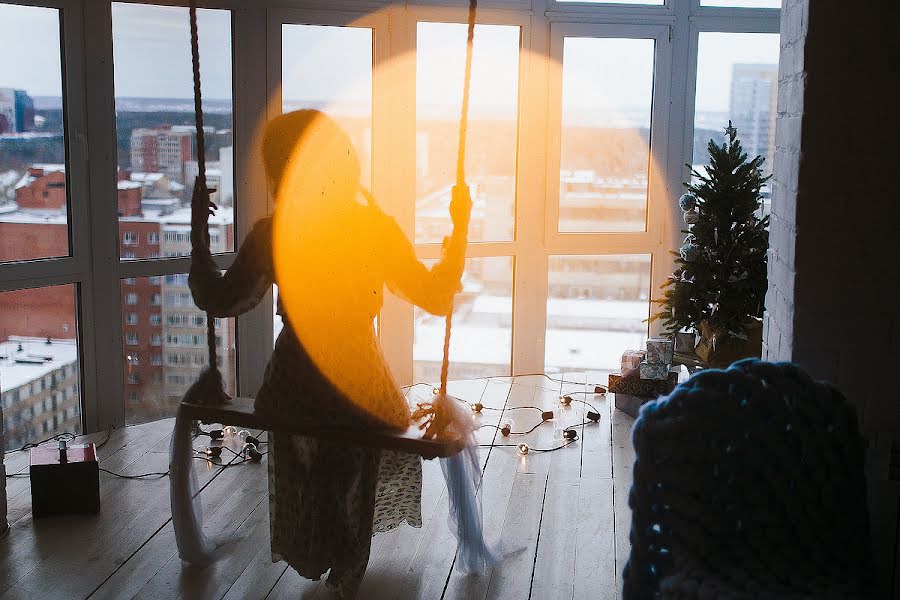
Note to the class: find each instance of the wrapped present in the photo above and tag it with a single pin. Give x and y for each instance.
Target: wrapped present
(719, 348)
(631, 405)
(685, 341)
(654, 371)
(631, 360)
(633, 385)
(660, 351)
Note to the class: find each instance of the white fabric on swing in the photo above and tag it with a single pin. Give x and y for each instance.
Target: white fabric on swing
(462, 473)
(187, 515)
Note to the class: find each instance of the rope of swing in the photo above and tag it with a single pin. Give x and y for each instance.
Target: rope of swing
(201, 165)
(460, 169)
(201, 168)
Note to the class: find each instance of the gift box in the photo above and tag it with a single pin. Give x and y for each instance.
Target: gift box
(655, 371)
(633, 385)
(718, 348)
(685, 342)
(660, 351)
(631, 405)
(631, 360)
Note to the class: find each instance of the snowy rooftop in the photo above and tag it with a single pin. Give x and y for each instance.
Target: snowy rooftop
(11, 213)
(147, 177)
(35, 359)
(27, 179)
(563, 348)
(569, 307)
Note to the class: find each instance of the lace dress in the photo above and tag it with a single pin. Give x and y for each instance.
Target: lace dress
(327, 499)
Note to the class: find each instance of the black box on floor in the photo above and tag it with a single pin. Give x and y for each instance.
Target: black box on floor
(64, 485)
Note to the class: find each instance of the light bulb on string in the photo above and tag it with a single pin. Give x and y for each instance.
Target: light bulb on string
(522, 449)
(229, 431)
(243, 433)
(506, 427)
(251, 452)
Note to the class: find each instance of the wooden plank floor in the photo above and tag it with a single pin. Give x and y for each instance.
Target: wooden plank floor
(562, 517)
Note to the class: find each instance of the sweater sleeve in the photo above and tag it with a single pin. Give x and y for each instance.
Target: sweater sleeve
(244, 284)
(431, 289)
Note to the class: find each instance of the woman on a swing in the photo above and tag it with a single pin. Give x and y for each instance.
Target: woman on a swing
(336, 252)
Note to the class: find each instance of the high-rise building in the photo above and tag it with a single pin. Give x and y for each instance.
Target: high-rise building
(16, 111)
(163, 150)
(754, 90)
(39, 388)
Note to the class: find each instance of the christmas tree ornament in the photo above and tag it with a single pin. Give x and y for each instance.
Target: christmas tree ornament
(690, 252)
(691, 216)
(687, 201)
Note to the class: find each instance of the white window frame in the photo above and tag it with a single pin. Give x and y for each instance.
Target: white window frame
(97, 272)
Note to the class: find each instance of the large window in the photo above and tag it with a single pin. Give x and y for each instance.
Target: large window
(737, 80)
(155, 130)
(34, 197)
(582, 118)
(165, 347)
(39, 364)
(492, 131)
(607, 94)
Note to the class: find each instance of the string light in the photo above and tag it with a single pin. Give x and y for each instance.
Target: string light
(522, 449)
(251, 452)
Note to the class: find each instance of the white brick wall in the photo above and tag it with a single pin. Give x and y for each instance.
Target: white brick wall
(835, 225)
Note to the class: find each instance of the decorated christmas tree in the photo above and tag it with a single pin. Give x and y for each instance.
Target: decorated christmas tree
(719, 285)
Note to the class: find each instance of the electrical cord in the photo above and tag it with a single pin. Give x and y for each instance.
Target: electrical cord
(480, 407)
(498, 428)
(527, 449)
(64, 435)
(568, 398)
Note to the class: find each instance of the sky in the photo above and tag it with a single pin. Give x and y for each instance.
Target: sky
(152, 59)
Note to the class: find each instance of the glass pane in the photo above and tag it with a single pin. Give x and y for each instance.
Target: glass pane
(34, 208)
(743, 3)
(164, 343)
(737, 79)
(39, 368)
(481, 343)
(155, 126)
(651, 2)
(330, 69)
(607, 92)
(492, 130)
(596, 308)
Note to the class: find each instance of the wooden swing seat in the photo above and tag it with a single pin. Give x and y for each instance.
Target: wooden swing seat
(240, 413)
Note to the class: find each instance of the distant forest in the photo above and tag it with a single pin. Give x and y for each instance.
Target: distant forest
(19, 154)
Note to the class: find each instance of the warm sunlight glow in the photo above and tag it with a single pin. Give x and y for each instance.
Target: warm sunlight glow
(326, 265)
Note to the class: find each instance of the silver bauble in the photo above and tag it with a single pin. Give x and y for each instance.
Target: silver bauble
(691, 216)
(687, 201)
(690, 252)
